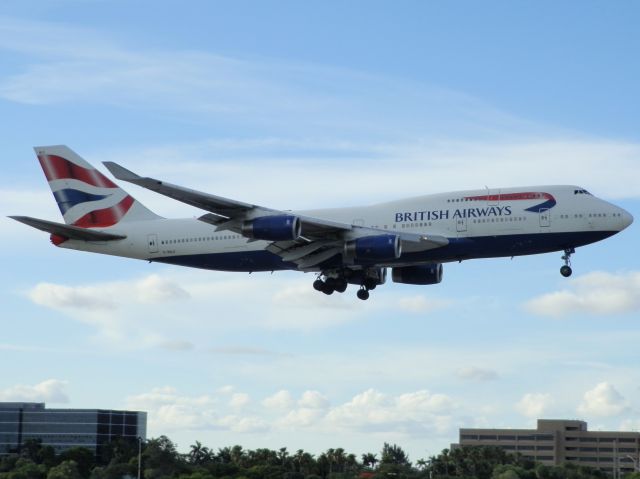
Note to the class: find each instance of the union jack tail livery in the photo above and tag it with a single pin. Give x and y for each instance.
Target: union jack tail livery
(87, 198)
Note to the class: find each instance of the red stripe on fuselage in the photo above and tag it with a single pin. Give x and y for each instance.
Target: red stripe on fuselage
(105, 217)
(512, 197)
(58, 168)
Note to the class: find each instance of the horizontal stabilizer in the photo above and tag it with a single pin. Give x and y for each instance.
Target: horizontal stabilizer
(68, 231)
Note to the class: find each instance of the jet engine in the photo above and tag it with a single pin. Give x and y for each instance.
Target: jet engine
(273, 228)
(374, 248)
(421, 274)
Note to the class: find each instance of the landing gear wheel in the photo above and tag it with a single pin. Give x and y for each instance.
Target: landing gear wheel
(566, 271)
(318, 285)
(327, 289)
(341, 287)
(363, 294)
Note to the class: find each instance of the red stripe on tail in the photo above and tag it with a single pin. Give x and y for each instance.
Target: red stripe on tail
(105, 217)
(58, 168)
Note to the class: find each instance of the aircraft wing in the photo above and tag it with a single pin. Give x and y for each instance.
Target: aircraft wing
(320, 239)
(226, 214)
(68, 231)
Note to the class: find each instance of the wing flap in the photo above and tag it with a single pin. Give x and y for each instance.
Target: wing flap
(68, 231)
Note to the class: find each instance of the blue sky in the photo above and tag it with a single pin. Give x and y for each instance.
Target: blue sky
(312, 104)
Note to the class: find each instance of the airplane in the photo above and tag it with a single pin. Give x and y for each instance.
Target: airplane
(413, 237)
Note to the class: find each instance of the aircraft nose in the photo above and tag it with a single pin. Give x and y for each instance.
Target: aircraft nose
(626, 219)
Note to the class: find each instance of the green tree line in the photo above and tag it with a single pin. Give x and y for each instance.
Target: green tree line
(159, 459)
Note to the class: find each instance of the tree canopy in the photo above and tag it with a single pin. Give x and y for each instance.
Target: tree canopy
(160, 459)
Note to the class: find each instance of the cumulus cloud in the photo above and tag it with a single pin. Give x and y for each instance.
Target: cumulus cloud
(534, 405)
(239, 400)
(58, 296)
(597, 293)
(603, 400)
(227, 410)
(151, 289)
(372, 411)
(49, 391)
(472, 373)
(280, 400)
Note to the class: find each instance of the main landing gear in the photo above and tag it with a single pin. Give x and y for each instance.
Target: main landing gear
(328, 283)
(566, 269)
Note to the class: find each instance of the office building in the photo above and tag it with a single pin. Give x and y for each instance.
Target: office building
(555, 442)
(66, 428)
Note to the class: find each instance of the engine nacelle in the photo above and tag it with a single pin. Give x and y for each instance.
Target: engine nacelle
(421, 274)
(374, 248)
(273, 228)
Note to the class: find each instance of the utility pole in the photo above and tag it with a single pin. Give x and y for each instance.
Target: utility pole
(139, 456)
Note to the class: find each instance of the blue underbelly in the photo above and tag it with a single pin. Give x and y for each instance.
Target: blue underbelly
(457, 249)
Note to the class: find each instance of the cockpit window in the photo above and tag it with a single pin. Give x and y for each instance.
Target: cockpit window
(581, 192)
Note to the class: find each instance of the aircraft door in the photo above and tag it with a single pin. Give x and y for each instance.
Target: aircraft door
(461, 225)
(545, 218)
(152, 242)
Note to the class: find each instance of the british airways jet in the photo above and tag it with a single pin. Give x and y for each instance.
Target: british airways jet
(412, 237)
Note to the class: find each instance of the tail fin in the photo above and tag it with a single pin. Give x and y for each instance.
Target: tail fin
(85, 196)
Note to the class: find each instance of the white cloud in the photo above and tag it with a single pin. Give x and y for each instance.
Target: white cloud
(603, 400)
(168, 410)
(152, 289)
(372, 411)
(597, 293)
(49, 391)
(534, 405)
(239, 400)
(280, 400)
(472, 373)
(421, 304)
(313, 400)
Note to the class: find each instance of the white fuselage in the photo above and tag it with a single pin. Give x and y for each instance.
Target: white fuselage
(479, 223)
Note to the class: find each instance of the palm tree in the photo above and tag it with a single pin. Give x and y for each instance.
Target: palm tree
(237, 455)
(198, 453)
(369, 460)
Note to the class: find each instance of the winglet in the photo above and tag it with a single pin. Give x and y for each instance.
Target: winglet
(120, 172)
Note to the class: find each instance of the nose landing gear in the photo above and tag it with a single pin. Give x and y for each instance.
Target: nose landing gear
(566, 270)
(363, 294)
